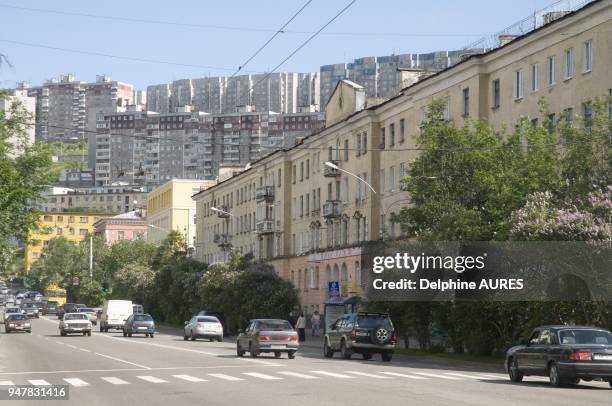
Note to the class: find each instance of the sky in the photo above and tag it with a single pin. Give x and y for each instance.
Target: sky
(216, 37)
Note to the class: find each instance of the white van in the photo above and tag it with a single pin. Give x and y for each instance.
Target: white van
(114, 314)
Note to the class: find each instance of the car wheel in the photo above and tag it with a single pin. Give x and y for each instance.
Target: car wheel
(185, 337)
(239, 352)
(276, 354)
(553, 375)
(344, 352)
(124, 333)
(366, 356)
(252, 351)
(291, 354)
(220, 339)
(514, 372)
(8, 331)
(29, 331)
(327, 350)
(387, 356)
(151, 335)
(193, 338)
(84, 333)
(89, 333)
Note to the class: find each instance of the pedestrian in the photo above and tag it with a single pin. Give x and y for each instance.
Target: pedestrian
(315, 322)
(300, 325)
(292, 319)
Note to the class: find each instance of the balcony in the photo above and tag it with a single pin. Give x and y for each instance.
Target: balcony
(223, 212)
(264, 227)
(332, 209)
(330, 172)
(264, 194)
(223, 240)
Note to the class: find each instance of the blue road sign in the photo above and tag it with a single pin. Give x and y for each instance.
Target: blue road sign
(333, 288)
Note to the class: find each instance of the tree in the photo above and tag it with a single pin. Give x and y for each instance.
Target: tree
(90, 292)
(58, 263)
(24, 174)
(134, 281)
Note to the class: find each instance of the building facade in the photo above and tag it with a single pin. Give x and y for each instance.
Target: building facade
(313, 222)
(111, 199)
(28, 103)
(127, 226)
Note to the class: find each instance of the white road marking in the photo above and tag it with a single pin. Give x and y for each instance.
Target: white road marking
(367, 374)
(6, 383)
(332, 374)
(438, 376)
(402, 375)
(261, 376)
(298, 375)
(84, 349)
(491, 376)
(59, 342)
(122, 360)
(226, 377)
(466, 376)
(71, 346)
(189, 378)
(76, 382)
(151, 379)
(114, 380)
(39, 382)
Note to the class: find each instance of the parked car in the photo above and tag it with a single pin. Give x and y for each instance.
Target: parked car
(17, 322)
(566, 354)
(75, 323)
(139, 324)
(137, 309)
(267, 335)
(203, 327)
(219, 315)
(51, 307)
(114, 314)
(361, 333)
(30, 309)
(91, 313)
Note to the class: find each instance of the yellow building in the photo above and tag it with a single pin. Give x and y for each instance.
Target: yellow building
(73, 226)
(170, 207)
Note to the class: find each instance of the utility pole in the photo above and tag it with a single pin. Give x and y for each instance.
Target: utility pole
(90, 257)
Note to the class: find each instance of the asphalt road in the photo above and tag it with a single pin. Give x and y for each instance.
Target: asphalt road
(107, 368)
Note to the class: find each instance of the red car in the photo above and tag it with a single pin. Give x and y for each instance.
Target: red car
(17, 322)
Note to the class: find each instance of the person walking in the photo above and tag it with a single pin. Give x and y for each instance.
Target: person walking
(292, 319)
(300, 325)
(315, 323)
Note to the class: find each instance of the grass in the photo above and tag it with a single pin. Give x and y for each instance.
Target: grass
(497, 360)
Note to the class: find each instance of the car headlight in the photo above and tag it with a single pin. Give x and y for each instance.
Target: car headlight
(27, 324)
(11, 325)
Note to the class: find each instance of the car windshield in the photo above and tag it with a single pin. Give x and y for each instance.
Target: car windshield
(585, 336)
(143, 317)
(372, 321)
(17, 317)
(13, 310)
(75, 317)
(208, 320)
(276, 325)
(85, 310)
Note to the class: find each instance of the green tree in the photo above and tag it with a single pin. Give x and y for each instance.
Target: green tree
(90, 293)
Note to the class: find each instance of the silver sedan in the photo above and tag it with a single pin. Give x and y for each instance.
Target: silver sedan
(203, 327)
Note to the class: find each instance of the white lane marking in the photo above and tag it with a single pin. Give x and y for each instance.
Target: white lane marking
(189, 378)
(76, 382)
(71, 346)
(261, 376)
(438, 376)
(332, 374)
(151, 379)
(402, 375)
(114, 380)
(491, 376)
(39, 382)
(6, 383)
(298, 375)
(466, 376)
(367, 374)
(226, 377)
(59, 342)
(122, 360)
(84, 349)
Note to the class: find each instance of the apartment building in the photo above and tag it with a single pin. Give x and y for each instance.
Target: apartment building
(75, 227)
(112, 199)
(126, 226)
(29, 105)
(313, 222)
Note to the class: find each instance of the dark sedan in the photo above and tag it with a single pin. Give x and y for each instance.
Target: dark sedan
(566, 354)
(268, 335)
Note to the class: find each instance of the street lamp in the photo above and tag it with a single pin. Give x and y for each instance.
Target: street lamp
(216, 210)
(334, 166)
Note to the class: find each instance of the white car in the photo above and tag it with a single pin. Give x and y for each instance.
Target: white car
(203, 327)
(75, 323)
(10, 310)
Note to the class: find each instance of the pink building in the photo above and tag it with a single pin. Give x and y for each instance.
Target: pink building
(126, 226)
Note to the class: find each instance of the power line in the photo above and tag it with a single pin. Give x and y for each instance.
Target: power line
(231, 28)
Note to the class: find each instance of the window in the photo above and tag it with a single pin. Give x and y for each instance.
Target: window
(587, 110)
(364, 143)
(279, 178)
(551, 70)
(346, 149)
(293, 174)
(496, 93)
(382, 138)
(83, 219)
(588, 56)
(382, 180)
(120, 235)
(60, 219)
(60, 231)
(307, 168)
(48, 219)
(552, 122)
(569, 63)
(535, 77)
(402, 171)
(302, 206)
(402, 131)
(466, 102)
(518, 85)
(391, 179)
(358, 152)
(392, 134)
(301, 171)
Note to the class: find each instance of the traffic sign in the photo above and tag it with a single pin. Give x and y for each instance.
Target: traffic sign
(76, 281)
(333, 288)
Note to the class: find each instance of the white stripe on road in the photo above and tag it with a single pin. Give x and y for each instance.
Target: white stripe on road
(115, 380)
(261, 376)
(403, 375)
(71, 346)
(39, 382)
(151, 379)
(298, 375)
(122, 360)
(367, 374)
(76, 382)
(59, 342)
(332, 374)
(467, 376)
(226, 377)
(189, 378)
(438, 376)
(6, 383)
(83, 349)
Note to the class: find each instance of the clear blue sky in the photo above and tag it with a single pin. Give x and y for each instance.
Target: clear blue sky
(440, 24)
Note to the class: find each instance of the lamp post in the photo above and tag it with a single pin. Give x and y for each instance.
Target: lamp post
(334, 166)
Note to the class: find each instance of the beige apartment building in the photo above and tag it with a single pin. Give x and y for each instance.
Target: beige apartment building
(170, 207)
(313, 222)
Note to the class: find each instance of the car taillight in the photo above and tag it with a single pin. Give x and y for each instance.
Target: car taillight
(293, 338)
(353, 334)
(264, 338)
(581, 356)
(394, 338)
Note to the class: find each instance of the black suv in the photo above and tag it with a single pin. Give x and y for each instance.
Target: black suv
(362, 333)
